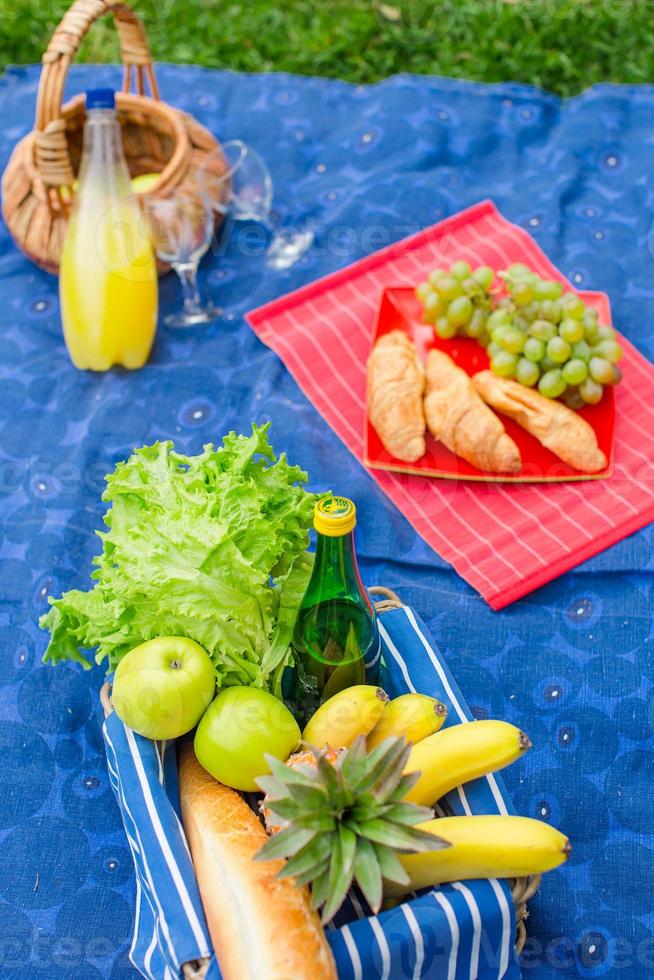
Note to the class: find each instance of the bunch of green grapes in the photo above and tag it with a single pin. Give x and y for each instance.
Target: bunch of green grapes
(541, 335)
(458, 301)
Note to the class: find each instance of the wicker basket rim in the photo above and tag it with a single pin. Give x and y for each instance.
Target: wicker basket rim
(124, 100)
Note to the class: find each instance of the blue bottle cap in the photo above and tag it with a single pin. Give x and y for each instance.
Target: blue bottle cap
(100, 98)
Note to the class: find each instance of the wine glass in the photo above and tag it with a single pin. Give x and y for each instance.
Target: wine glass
(181, 228)
(245, 192)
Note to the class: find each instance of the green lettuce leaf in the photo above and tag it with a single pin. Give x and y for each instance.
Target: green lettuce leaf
(211, 546)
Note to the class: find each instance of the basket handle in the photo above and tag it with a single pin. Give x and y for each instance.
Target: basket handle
(64, 43)
(51, 150)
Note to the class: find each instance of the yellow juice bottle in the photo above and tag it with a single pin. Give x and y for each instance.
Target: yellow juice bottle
(108, 275)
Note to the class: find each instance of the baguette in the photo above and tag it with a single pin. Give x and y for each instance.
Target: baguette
(395, 382)
(458, 417)
(555, 425)
(261, 928)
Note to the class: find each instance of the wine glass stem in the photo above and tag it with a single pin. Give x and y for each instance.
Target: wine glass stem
(188, 275)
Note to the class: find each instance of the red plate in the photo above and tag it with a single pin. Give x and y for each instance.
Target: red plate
(400, 310)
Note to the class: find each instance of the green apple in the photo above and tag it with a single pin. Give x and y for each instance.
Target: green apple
(163, 687)
(242, 725)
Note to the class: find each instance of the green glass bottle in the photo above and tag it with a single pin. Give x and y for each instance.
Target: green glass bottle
(335, 640)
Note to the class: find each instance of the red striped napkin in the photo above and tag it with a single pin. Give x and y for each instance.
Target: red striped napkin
(505, 540)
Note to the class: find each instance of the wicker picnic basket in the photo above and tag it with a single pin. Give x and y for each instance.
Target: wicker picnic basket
(156, 137)
(522, 889)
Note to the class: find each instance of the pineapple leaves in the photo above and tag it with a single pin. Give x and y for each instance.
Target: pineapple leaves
(313, 855)
(284, 843)
(400, 838)
(354, 763)
(406, 783)
(320, 888)
(368, 874)
(408, 813)
(286, 775)
(390, 865)
(344, 821)
(337, 884)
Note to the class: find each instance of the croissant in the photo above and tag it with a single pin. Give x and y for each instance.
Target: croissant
(395, 384)
(457, 416)
(555, 425)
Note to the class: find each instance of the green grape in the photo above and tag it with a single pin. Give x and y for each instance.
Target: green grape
(460, 270)
(610, 349)
(444, 328)
(518, 270)
(534, 349)
(448, 287)
(521, 323)
(422, 291)
(547, 289)
(582, 350)
(498, 333)
(526, 372)
(591, 391)
(433, 307)
(513, 340)
(483, 339)
(573, 306)
(460, 310)
(498, 318)
(530, 311)
(507, 304)
(542, 330)
(573, 399)
(574, 371)
(591, 331)
(547, 364)
(558, 350)
(484, 276)
(604, 332)
(522, 292)
(493, 349)
(551, 384)
(435, 277)
(571, 330)
(476, 326)
(617, 375)
(600, 370)
(592, 313)
(550, 309)
(470, 286)
(504, 364)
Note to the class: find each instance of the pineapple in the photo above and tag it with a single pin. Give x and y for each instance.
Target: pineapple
(342, 821)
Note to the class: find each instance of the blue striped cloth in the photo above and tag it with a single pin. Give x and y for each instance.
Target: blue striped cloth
(460, 931)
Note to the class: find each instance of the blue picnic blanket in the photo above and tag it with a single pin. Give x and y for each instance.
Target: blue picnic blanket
(571, 664)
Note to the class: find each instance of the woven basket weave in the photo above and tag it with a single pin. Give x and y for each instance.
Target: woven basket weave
(522, 889)
(156, 137)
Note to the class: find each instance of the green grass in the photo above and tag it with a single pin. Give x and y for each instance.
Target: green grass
(561, 45)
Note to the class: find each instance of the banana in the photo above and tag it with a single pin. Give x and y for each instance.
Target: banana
(415, 716)
(458, 754)
(352, 712)
(483, 847)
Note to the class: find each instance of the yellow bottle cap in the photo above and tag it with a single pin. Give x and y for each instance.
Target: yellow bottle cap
(334, 516)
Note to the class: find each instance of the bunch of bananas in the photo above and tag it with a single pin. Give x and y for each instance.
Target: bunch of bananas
(492, 846)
